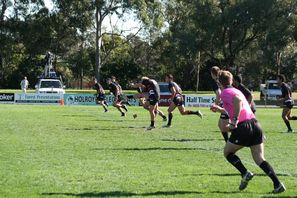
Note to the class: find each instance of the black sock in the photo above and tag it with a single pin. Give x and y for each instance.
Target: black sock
(294, 117)
(152, 123)
(288, 125)
(124, 107)
(192, 112)
(265, 166)
(104, 106)
(163, 116)
(236, 162)
(105, 103)
(170, 116)
(225, 135)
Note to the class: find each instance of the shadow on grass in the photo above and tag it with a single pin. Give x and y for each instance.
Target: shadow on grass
(134, 127)
(158, 149)
(131, 194)
(189, 140)
(92, 129)
(77, 115)
(122, 194)
(279, 196)
(235, 174)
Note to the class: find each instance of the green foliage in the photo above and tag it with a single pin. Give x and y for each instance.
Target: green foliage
(244, 36)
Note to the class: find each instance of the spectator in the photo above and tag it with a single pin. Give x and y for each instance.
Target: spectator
(24, 84)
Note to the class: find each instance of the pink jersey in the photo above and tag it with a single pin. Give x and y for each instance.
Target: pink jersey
(227, 96)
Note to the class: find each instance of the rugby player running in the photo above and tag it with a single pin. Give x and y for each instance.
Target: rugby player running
(287, 100)
(114, 89)
(224, 118)
(100, 95)
(245, 132)
(237, 83)
(142, 95)
(177, 100)
(152, 94)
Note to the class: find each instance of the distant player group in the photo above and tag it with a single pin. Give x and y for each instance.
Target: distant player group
(148, 95)
(237, 115)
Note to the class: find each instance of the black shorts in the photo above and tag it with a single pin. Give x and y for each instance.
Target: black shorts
(178, 100)
(289, 104)
(224, 116)
(118, 99)
(100, 97)
(153, 98)
(247, 133)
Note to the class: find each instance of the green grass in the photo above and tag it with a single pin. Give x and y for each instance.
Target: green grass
(61, 151)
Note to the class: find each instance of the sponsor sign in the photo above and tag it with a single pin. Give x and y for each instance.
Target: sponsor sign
(199, 101)
(38, 98)
(7, 98)
(90, 99)
(165, 100)
(79, 99)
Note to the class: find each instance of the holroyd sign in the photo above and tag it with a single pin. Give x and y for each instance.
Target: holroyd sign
(90, 99)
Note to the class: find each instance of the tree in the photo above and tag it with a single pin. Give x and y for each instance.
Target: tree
(149, 12)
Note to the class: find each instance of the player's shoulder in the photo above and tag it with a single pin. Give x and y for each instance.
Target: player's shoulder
(230, 91)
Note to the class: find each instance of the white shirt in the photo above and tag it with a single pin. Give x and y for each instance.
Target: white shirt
(24, 84)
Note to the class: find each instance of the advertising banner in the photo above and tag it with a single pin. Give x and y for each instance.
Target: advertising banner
(6, 98)
(165, 100)
(53, 99)
(199, 101)
(90, 99)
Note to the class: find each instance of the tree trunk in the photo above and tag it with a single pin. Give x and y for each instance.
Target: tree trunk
(198, 71)
(81, 78)
(278, 62)
(98, 43)
(1, 71)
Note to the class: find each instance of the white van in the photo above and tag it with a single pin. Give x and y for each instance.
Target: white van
(270, 90)
(49, 86)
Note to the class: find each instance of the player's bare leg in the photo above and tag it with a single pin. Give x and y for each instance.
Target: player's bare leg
(161, 114)
(183, 111)
(118, 106)
(152, 110)
(286, 114)
(223, 125)
(103, 105)
(171, 108)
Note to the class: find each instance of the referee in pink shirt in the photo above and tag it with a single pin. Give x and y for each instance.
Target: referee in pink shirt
(245, 132)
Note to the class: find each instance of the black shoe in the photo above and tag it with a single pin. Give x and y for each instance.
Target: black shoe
(199, 114)
(150, 128)
(167, 126)
(279, 189)
(123, 115)
(245, 180)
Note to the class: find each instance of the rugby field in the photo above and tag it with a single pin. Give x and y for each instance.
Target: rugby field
(62, 151)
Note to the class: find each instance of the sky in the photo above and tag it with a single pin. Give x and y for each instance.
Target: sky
(129, 23)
